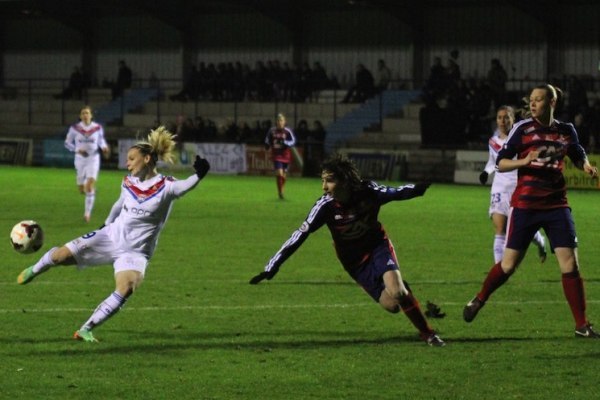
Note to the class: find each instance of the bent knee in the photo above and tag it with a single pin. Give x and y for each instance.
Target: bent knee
(128, 282)
(393, 309)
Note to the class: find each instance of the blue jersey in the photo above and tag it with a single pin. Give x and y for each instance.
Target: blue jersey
(354, 227)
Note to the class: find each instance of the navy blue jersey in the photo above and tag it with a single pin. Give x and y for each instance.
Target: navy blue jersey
(354, 227)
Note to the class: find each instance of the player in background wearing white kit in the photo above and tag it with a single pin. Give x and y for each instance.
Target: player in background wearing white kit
(503, 186)
(130, 234)
(86, 140)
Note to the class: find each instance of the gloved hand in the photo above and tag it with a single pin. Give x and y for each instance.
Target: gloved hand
(434, 311)
(483, 177)
(201, 166)
(420, 188)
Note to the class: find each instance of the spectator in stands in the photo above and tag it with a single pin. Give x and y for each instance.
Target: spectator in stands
(314, 151)
(478, 110)
(384, 76)
(302, 132)
(453, 74)
(124, 80)
(245, 133)
(306, 83)
(583, 129)
(436, 82)
(320, 79)
(577, 98)
(496, 79)
(191, 86)
(75, 86)
(441, 125)
(238, 84)
(153, 81)
(318, 132)
(593, 120)
(363, 88)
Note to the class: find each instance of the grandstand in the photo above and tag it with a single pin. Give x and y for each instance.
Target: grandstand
(44, 40)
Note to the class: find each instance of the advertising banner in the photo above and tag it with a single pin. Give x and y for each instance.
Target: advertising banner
(378, 166)
(224, 158)
(469, 165)
(576, 178)
(56, 155)
(258, 161)
(15, 151)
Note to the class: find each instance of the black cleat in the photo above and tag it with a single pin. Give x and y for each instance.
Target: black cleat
(472, 308)
(434, 340)
(587, 332)
(542, 254)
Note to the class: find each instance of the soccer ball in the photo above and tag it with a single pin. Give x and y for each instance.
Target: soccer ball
(27, 237)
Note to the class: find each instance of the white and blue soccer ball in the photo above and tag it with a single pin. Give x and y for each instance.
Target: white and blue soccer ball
(27, 237)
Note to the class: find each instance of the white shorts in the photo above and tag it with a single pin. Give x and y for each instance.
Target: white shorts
(500, 203)
(87, 167)
(96, 248)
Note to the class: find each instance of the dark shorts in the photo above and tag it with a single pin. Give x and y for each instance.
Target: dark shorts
(280, 165)
(370, 274)
(557, 224)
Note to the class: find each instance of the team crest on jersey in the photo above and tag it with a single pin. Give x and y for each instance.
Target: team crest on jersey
(142, 195)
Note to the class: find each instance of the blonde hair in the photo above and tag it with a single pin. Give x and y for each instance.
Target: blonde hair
(159, 144)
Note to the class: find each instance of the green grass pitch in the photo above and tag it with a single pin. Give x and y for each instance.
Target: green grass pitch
(197, 330)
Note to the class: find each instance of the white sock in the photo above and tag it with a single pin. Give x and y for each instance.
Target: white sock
(89, 202)
(109, 307)
(499, 242)
(539, 240)
(45, 262)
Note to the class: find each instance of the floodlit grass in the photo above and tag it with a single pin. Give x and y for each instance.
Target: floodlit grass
(197, 330)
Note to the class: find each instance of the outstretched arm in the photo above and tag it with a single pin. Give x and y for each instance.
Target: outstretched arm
(315, 219)
(288, 248)
(406, 192)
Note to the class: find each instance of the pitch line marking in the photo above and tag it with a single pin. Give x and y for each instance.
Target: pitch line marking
(261, 307)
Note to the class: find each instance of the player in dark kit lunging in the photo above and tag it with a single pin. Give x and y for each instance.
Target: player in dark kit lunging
(536, 147)
(350, 207)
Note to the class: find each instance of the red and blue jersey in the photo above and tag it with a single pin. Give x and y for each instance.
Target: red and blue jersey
(541, 185)
(280, 141)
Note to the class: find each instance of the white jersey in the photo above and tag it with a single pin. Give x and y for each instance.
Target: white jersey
(89, 138)
(138, 216)
(504, 182)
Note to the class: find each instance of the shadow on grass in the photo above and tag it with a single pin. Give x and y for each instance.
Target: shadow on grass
(150, 343)
(415, 283)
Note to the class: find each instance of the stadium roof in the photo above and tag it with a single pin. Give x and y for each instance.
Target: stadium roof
(181, 13)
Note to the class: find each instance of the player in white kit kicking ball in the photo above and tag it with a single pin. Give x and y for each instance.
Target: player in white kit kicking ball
(130, 234)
